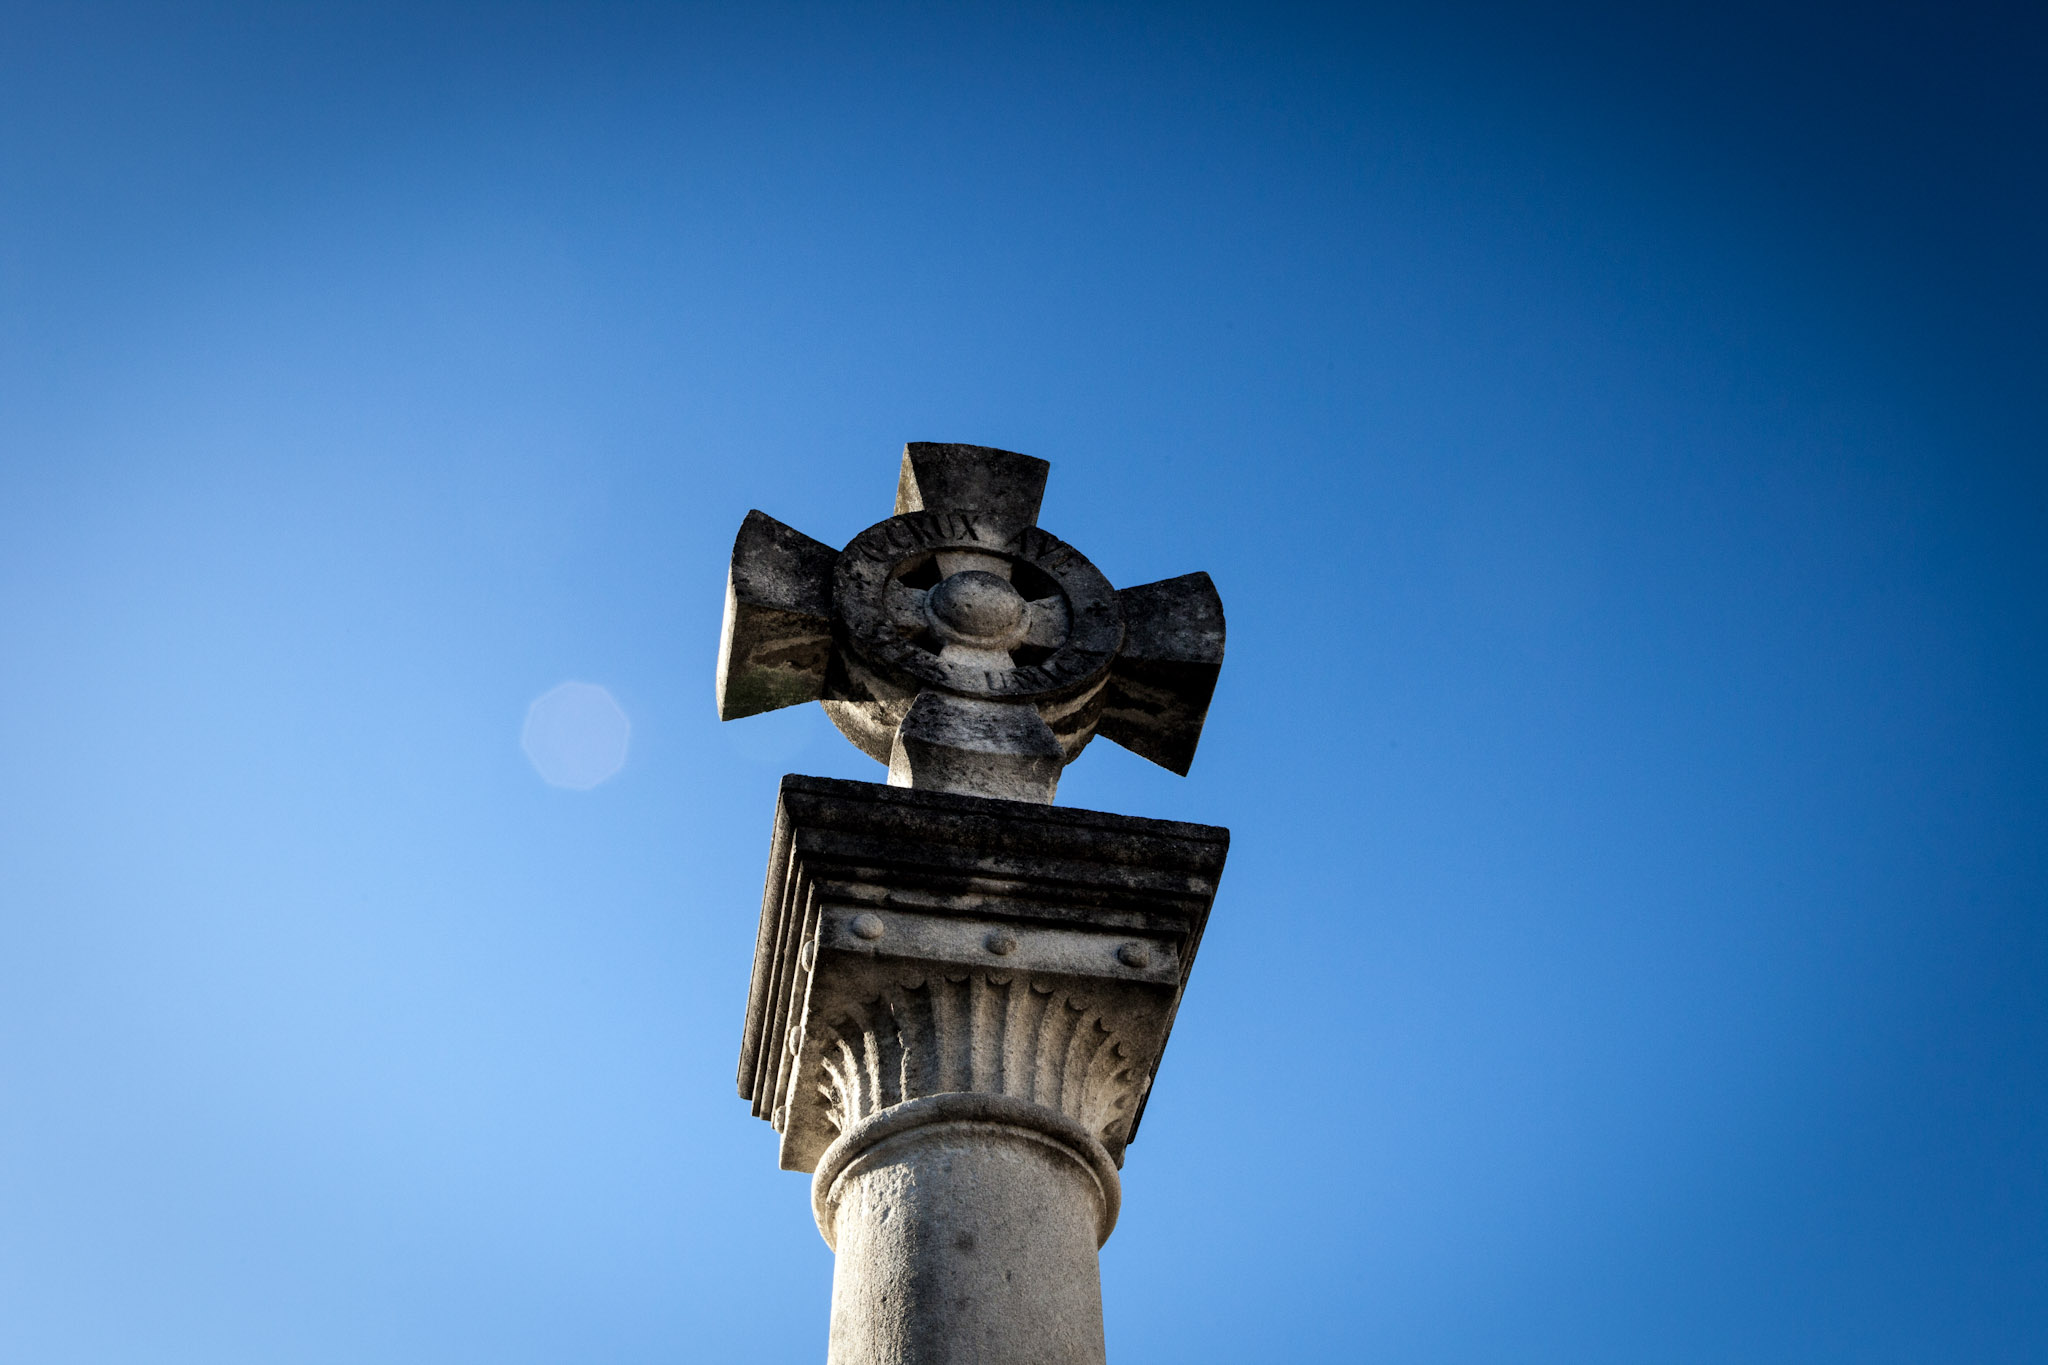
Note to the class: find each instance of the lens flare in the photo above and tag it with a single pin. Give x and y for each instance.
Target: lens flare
(576, 735)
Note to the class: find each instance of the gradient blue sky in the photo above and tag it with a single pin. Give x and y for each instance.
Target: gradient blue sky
(1618, 438)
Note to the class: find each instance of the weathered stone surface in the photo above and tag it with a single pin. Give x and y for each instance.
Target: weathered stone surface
(966, 1228)
(961, 994)
(981, 748)
(958, 604)
(918, 943)
(1021, 1033)
(903, 627)
(776, 643)
(1001, 486)
(1166, 672)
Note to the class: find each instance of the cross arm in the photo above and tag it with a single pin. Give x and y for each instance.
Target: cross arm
(1000, 489)
(776, 643)
(1159, 691)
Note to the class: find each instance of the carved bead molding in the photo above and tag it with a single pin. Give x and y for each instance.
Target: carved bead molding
(985, 1033)
(916, 943)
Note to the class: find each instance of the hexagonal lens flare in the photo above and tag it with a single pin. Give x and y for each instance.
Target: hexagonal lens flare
(576, 735)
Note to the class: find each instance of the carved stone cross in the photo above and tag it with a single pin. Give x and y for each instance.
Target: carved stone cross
(961, 645)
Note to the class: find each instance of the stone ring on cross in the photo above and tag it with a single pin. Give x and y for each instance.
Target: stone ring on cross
(960, 644)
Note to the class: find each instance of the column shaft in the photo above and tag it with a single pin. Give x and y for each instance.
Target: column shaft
(966, 1228)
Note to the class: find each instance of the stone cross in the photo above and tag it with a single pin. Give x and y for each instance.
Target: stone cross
(962, 645)
(959, 1003)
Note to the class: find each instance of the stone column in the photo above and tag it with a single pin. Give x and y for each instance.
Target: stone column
(958, 1006)
(966, 1228)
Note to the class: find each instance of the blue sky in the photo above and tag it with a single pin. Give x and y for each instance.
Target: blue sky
(1617, 438)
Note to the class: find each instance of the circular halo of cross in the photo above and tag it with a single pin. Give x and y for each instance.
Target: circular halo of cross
(923, 595)
(962, 645)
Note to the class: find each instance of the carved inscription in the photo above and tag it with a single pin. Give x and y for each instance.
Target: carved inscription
(897, 539)
(879, 556)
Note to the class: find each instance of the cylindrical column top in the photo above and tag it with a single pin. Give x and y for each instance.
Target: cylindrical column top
(967, 1110)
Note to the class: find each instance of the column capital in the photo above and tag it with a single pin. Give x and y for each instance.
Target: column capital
(917, 943)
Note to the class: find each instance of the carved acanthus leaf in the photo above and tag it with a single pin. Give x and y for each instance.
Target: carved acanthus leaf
(984, 1032)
